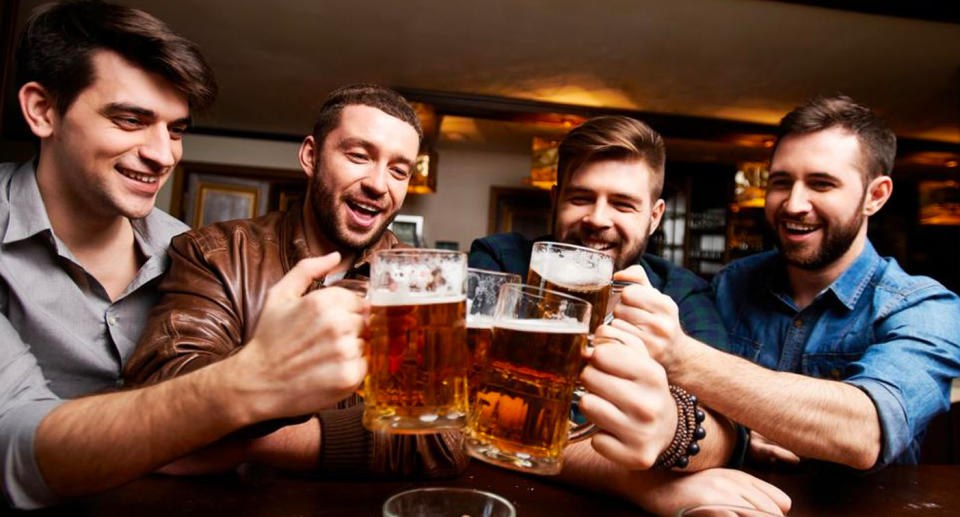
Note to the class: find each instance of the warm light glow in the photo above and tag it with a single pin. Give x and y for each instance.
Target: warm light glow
(951, 163)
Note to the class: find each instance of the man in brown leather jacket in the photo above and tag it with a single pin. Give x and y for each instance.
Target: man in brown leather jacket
(358, 160)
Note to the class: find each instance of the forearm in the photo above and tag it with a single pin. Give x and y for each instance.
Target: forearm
(294, 447)
(584, 468)
(814, 418)
(102, 441)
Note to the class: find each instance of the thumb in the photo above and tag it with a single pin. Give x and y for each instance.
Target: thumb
(298, 279)
(634, 274)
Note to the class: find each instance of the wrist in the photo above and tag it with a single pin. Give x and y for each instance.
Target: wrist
(239, 389)
(675, 360)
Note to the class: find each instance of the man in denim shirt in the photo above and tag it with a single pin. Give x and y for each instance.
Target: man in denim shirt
(847, 356)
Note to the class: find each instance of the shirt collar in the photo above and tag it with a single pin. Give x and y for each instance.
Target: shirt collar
(28, 216)
(847, 288)
(851, 283)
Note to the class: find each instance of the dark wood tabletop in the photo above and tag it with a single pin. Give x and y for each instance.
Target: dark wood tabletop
(910, 491)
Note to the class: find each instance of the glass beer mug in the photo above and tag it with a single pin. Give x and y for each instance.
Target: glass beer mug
(520, 419)
(483, 287)
(581, 272)
(416, 342)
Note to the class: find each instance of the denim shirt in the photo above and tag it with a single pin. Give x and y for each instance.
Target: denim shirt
(893, 335)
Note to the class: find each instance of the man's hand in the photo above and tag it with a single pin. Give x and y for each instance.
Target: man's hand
(648, 313)
(714, 486)
(628, 399)
(763, 450)
(306, 351)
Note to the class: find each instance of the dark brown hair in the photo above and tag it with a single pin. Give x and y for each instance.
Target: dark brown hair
(612, 137)
(375, 96)
(878, 144)
(56, 45)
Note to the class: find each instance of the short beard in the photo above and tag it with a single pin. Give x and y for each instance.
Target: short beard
(835, 244)
(325, 213)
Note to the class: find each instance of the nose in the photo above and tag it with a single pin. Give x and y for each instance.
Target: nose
(375, 181)
(158, 149)
(798, 200)
(599, 216)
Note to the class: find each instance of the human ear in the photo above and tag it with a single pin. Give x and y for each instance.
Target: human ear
(308, 156)
(38, 108)
(656, 213)
(878, 192)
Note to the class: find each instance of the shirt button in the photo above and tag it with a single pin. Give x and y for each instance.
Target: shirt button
(111, 320)
(835, 373)
(798, 322)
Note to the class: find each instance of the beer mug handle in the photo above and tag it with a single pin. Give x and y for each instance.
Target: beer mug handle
(579, 430)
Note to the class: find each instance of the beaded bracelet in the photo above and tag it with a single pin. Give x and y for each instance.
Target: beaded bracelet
(689, 432)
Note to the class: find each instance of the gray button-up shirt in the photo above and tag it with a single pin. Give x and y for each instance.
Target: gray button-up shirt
(78, 336)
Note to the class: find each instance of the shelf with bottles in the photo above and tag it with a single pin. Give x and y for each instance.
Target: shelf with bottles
(747, 232)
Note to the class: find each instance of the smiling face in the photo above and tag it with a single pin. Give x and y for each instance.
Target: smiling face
(359, 177)
(606, 205)
(117, 143)
(816, 198)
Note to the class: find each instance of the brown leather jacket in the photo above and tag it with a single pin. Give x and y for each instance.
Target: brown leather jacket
(210, 299)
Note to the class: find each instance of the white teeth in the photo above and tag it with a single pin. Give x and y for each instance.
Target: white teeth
(598, 245)
(143, 178)
(366, 207)
(797, 227)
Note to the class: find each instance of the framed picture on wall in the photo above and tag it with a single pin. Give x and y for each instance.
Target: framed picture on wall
(409, 229)
(204, 193)
(212, 198)
(523, 210)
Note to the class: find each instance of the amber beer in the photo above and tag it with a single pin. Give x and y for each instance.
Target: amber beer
(597, 294)
(520, 419)
(479, 337)
(416, 347)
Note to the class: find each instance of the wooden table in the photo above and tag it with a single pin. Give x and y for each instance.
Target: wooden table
(911, 491)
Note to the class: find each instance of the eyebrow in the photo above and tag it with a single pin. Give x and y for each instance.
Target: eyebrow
(812, 175)
(115, 108)
(370, 147)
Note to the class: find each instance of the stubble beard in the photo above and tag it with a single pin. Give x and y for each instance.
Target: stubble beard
(328, 215)
(836, 242)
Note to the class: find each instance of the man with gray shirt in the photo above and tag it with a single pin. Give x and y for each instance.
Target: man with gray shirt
(108, 91)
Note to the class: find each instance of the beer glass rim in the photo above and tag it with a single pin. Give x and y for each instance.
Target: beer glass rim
(554, 244)
(492, 273)
(540, 292)
(418, 251)
(455, 490)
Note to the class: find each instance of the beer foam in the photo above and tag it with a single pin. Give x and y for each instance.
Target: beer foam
(479, 321)
(386, 298)
(559, 326)
(575, 268)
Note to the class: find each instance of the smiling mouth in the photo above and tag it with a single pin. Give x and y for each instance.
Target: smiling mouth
(364, 209)
(795, 228)
(138, 176)
(599, 245)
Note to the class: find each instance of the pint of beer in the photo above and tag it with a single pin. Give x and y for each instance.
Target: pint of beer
(416, 342)
(520, 419)
(581, 272)
(483, 287)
